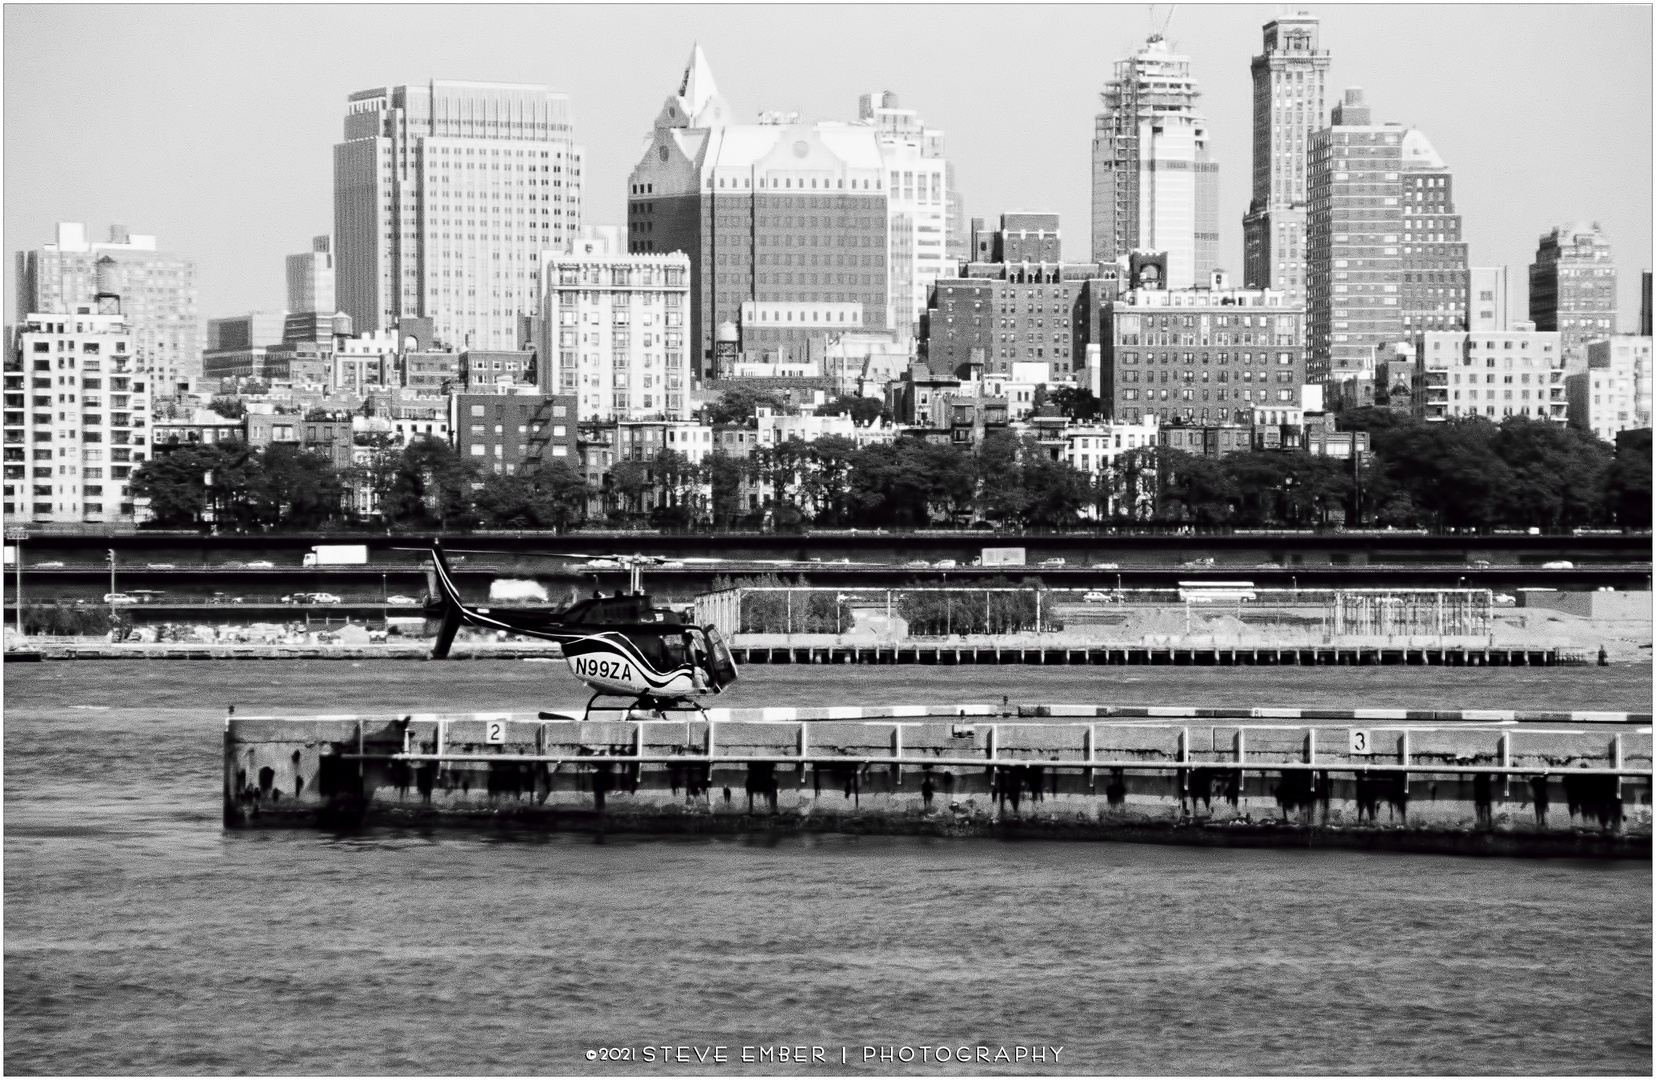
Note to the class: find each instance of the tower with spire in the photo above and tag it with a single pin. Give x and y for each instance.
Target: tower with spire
(785, 223)
(1155, 184)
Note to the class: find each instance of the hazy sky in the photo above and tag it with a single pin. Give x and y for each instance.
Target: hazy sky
(212, 126)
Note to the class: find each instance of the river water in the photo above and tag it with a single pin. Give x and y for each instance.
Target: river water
(142, 938)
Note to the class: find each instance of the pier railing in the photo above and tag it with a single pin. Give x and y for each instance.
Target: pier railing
(1102, 614)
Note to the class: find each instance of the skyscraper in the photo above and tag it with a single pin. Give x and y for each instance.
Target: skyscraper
(157, 289)
(922, 205)
(310, 279)
(1572, 288)
(1644, 303)
(788, 220)
(1435, 275)
(444, 197)
(1354, 229)
(1155, 184)
(1289, 81)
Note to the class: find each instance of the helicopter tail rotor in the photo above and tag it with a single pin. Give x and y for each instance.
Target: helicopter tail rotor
(443, 589)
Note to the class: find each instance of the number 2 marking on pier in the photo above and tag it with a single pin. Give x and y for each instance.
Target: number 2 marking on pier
(494, 731)
(1360, 742)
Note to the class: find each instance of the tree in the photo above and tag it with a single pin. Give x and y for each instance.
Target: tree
(1195, 489)
(826, 482)
(724, 476)
(629, 480)
(231, 408)
(1627, 481)
(550, 497)
(676, 481)
(1558, 473)
(863, 410)
(739, 403)
(1055, 492)
(564, 491)
(432, 486)
(1449, 469)
(1074, 402)
(374, 472)
(1125, 488)
(1000, 491)
(292, 487)
(175, 484)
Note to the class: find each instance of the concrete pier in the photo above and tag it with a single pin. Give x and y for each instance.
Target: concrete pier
(1488, 783)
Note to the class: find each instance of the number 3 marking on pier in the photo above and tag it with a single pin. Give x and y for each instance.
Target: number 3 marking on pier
(494, 731)
(1360, 742)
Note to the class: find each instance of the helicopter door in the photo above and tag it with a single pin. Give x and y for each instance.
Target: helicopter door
(721, 665)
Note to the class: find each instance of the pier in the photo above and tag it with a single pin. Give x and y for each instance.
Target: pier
(1487, 782)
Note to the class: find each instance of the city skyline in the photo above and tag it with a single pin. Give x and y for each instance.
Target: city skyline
(1486, 98)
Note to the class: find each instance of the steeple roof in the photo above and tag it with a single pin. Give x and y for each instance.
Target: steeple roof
(697, 89)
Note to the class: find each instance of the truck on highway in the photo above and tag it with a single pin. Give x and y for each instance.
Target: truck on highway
(337, 555)
(1002, 556)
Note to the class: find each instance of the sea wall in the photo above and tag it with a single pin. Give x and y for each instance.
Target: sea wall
(1380, 780)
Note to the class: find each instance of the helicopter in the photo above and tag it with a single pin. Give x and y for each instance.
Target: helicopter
(619, 646)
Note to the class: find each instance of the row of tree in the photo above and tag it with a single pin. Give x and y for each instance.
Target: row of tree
(1457, 474)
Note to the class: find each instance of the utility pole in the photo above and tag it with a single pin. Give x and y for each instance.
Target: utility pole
(111, 584)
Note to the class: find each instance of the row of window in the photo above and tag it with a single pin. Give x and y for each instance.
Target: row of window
(1131, 394)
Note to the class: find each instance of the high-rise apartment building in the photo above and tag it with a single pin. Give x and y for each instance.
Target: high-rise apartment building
(157, 289)
(777, 212)
(77, 407)
(922, 204)
(1214, 355)
(1289, 86)
(445, 194)
(1016, 302)
(1354, 241)
(310, 279)
(1613, 392)
(1572, 288)
(1435, 283)
(1490, 373)
(1490, 300)
(1155, 185)
(616, 333)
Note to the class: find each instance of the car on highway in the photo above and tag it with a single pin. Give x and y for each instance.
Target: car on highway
(1504, 600)
(1096, 597)
(946, 564)
(225, 598)
(261, 564)
(1052, 562)
(1558, 564)
(162, 566)
(325, 598)
(918, 564)
(601, 564)
(232, 565)
(120, 598)
(403, 601)
(1480, 564)
(1196, 564)
(53, 565)
(1106, 566)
